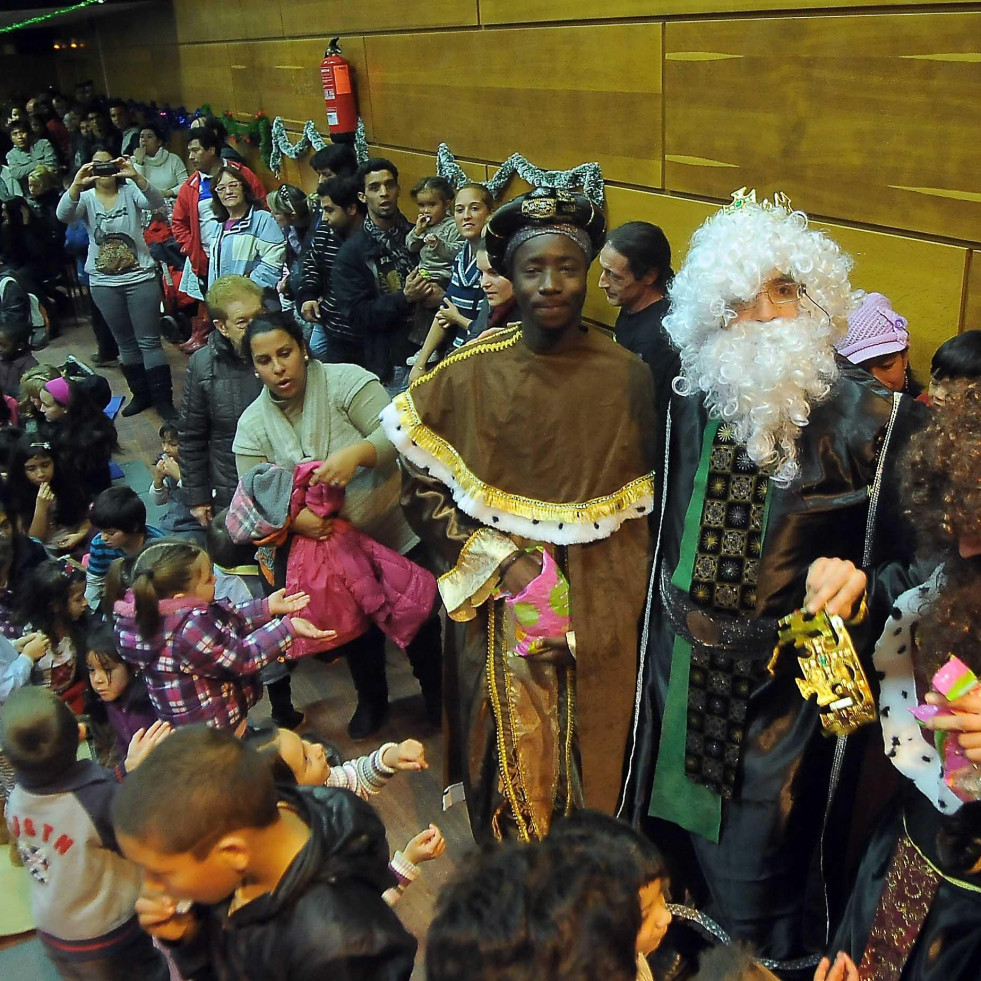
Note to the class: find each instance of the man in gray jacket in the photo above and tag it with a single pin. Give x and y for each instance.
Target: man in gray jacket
(28, 153)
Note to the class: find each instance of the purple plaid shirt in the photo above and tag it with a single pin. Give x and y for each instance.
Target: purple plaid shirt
(204, 663)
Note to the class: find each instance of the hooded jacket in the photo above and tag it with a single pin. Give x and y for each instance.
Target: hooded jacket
(352, 580)
(326, 917)
(219, 387)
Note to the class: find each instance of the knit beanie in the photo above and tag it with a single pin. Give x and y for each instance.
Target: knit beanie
(874, 329)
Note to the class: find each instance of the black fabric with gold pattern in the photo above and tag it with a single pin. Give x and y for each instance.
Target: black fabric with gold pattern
(724, 577)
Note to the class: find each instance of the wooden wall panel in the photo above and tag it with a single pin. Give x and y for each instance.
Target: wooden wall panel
(145, 73)
(218, 20)
(972, 297)
(559, 95)
(543, 11)
(283, 79)
(861, 118)
(325, 18)
(206, 75)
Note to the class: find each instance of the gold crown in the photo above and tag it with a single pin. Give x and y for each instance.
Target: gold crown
(743, 196)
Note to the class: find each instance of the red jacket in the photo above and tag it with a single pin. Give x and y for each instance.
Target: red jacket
(185, 223)
(351, 579)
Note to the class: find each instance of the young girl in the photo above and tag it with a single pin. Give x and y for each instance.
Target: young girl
(304, 762)
(49, 504)
(31, 418)
(435, 235)
(471, 209)
(201, 658)
(52, 601)
(117, 695)
(80, 431)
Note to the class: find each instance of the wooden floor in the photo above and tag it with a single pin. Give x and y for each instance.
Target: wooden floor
(325, 692)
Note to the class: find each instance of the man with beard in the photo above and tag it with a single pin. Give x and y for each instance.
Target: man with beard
(528, 471)
(776, 496)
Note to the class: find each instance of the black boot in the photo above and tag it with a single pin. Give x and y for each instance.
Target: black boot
(425, 654)
(366, 662)
(281, 701)
(162, 392)
(139, 386)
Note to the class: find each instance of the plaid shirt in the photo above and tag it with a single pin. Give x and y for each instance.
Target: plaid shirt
(204, 663)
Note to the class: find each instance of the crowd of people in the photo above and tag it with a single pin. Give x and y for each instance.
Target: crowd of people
(603, 554)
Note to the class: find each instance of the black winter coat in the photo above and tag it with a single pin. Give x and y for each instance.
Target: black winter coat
(325, 920)
(219, 386)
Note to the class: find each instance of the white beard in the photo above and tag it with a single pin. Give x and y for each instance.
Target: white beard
(763, 378)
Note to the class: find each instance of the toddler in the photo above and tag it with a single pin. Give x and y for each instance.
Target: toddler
(435, 235)
(120, 516)
(117, 695)
(201, 658)
(82, 890)
(237, 580)
(49, 504)
(305, 763)
(53, 602)
(166, 489)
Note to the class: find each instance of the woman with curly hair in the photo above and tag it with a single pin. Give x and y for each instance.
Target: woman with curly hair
(916, 906)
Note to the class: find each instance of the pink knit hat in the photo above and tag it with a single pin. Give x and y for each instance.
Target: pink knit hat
(59, 390)
(874, 329)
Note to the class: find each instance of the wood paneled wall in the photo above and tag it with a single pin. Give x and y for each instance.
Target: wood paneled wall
(867, 113)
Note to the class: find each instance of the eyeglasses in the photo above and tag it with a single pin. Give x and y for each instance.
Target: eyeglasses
(779, 293)
(224, 188)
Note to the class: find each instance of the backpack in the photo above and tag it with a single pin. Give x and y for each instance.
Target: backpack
(40, 325)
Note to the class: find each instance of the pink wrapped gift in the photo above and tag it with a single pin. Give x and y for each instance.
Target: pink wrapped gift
(541, 609)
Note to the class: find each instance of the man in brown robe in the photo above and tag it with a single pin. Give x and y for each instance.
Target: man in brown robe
(539, 438)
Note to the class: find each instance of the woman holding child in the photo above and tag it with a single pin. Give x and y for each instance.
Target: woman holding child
(313, 411)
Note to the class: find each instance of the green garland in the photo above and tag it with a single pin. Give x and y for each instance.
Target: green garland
(41, 18)
(257, 131)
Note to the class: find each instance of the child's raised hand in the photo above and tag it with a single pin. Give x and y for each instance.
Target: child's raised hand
(143, 742)
(171, 467)
(422, 223)
(843, 969)
(159, 917)
(410, 754)
(304, 628)
(426, 846)
(36, 647)
(281, 605)
(45, 494)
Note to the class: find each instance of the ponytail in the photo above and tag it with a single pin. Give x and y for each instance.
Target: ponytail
(162, 570)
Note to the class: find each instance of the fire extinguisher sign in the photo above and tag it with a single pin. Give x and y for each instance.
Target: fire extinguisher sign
(332, 118)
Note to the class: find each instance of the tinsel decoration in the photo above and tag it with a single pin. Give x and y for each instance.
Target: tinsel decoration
(309, 138)
(588, 177)
(361, 142)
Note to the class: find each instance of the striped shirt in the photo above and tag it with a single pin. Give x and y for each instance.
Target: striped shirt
(315, 282)
(464, 290)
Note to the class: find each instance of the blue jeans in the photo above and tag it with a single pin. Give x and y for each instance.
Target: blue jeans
(335, 350)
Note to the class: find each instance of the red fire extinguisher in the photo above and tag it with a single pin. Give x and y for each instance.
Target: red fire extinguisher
(342, 108)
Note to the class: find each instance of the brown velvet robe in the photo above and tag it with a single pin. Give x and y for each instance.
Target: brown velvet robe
(528, 737)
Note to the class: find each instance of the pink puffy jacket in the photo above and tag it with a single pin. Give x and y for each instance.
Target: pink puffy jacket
(351, 579)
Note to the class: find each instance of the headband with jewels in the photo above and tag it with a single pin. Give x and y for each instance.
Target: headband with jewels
(742, 197)
(541, 207)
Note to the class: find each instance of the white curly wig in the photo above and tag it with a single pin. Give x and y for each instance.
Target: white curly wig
(760, 376)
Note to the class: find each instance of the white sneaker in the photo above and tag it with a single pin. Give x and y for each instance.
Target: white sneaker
(433, 358)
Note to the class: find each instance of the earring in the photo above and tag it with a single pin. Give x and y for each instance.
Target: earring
(306, 358)
(256, 373)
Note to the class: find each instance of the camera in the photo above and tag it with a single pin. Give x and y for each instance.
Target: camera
(106, 168)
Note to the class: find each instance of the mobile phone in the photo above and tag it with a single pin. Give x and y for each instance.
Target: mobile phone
(105, 168)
